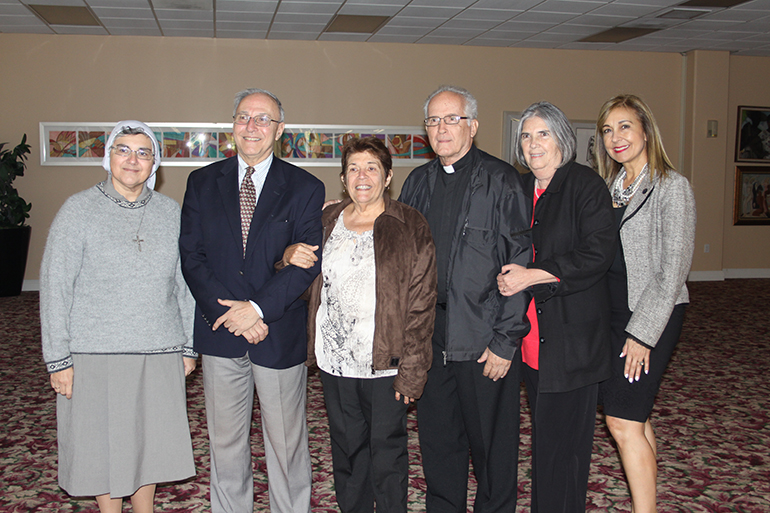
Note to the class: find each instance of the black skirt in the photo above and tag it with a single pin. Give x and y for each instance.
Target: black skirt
(634, 401)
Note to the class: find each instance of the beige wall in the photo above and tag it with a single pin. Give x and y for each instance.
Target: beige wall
(745, 247)
(105, 79)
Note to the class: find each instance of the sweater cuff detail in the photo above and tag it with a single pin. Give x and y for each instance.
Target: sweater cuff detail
(189, 352)
(59, 366)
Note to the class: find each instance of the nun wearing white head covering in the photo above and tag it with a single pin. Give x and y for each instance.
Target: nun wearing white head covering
(133, 127)
(116, 319)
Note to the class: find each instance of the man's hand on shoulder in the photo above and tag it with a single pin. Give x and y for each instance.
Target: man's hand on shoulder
(495, 367)
(239, 318)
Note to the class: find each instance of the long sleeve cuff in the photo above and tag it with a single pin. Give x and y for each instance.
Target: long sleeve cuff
(60, 365)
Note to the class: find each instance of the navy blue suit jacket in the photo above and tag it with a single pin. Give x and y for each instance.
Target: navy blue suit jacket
(288, 211)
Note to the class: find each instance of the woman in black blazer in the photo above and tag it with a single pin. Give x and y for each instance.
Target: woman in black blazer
(567, 351)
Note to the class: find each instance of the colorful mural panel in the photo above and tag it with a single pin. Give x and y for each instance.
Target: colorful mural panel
(91, 144)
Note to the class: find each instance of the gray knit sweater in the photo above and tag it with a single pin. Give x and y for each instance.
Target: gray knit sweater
(99, 293)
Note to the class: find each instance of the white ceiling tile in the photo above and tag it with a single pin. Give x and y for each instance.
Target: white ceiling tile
(241, 34)
(464, 34)
(736, 45)
(400, 3)
(293, 35)
(756, 5)
(79, 3)
(117, 12)
(15, 10)
(601, 20)
(308, 7)
(240, 6)
(251, 17)
(188, 33)
(462, 4)
(487, 42)
(314, 28)
(731, 15)
(758, 37)
(141, 4)
(243, 26)
(183, 15)
(381, 38)
(389, 30)
(471, 24)
(343, 36)
(438, 40)
(578, 30)
(632, 10)
(111, 23)
(135, 31)
(431, 12)
(71, 29)
(655, 3)
(544, 17)
(186, 24)
(524, 26)
(577, 45)
(370, 10)
(410, 21)
(709, 25)
(520, 5)
(553, 37)
(565, 6)
(290, 17)
(25, 29)
(532, 44)
(487, 14)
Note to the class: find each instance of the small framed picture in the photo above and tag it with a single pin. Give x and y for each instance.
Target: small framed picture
(753, 135)
(752, 195)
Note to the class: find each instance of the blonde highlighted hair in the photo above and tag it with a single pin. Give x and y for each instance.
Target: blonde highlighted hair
(658, 162)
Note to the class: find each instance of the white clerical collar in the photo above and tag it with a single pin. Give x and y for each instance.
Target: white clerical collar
(449, 169)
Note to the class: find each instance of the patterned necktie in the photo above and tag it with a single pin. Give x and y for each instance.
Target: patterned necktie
(248, 202)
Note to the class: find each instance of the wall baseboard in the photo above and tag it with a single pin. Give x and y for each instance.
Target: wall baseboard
(706, 276)
(30, 285)
(746, 273)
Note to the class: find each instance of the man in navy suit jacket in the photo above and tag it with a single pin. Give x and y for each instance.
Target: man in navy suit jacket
(250, 322)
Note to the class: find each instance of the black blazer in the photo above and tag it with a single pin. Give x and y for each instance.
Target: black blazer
(288, 210)
(575, 239)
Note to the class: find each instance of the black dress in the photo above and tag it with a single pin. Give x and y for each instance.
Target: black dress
(633, 401)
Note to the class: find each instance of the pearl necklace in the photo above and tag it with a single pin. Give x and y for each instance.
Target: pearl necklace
(621, 196)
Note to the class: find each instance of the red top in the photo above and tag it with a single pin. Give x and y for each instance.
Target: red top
(530, 345)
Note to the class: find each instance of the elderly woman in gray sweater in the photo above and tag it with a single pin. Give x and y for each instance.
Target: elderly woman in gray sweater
(116, 319)
(655, 213)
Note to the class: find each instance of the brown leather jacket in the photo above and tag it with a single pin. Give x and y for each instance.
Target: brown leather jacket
(406, 294)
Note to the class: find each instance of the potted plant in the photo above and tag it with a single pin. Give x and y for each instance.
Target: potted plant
(14, 233)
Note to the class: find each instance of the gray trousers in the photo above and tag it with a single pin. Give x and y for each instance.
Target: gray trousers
(229, 385)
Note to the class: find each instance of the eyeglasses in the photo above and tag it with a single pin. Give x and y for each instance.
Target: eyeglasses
(448, 120)
(124, 151)
(262, 120)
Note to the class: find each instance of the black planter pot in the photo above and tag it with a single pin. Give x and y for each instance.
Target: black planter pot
(14, 245)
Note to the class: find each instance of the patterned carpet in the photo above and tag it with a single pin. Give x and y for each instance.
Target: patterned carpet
(711, 419)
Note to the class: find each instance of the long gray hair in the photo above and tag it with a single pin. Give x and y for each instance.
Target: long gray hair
(557, 123)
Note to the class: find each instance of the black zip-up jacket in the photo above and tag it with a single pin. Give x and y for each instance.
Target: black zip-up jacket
(492, 230)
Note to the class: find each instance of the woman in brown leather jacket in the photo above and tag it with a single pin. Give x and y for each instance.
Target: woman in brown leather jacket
(370, 322)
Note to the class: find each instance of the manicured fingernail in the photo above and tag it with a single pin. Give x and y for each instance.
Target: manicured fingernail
(626, 375)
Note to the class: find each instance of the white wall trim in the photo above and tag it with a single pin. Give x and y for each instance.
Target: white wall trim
(706, 276)
(746, 273)
(30, 285)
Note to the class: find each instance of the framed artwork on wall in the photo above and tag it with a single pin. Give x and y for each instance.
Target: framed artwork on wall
(752, 195)
(752, 141)
(197, 144)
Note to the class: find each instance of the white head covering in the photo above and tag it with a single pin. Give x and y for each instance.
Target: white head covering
(117, 131)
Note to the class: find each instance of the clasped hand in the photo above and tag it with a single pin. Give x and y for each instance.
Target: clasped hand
(242, 320)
